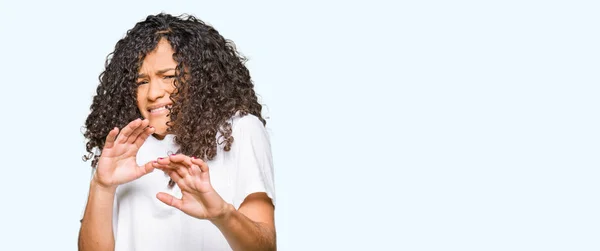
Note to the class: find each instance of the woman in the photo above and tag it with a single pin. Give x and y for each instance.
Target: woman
(175, 96)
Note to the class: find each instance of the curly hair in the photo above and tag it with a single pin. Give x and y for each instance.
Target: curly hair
(211, 85)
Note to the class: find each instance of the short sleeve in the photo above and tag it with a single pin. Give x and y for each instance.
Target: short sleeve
(254, 160)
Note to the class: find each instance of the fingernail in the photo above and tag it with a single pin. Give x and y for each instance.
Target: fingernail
(194, 157)
(160, 158)
(151, 127)
(173, 154)
(154, 162)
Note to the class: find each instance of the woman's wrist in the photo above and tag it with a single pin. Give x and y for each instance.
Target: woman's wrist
(220, 219)
(98, 186)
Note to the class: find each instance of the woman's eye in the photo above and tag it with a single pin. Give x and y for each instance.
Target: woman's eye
(170, 77)
(142, 82)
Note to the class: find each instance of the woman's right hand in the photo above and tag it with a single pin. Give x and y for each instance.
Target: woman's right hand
(117, 164)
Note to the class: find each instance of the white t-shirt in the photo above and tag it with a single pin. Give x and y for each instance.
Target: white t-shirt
(142, 222)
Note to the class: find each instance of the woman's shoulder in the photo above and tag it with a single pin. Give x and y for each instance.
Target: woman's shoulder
(246, 122)
(249, 129)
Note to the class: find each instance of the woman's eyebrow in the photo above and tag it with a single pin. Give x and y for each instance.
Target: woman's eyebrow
(159, 72)
(163, 71)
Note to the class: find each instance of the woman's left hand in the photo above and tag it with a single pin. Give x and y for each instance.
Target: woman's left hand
(199, 199)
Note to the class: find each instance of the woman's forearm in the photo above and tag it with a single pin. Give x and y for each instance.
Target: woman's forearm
(96, 233)
(243, 234)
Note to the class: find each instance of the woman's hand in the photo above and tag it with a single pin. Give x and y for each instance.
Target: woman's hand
(117, 164)
(199, 199)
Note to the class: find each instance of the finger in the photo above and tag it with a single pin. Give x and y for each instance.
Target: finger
(134, 135)
(159, 166)
(203, 166)
(143, 136)
(164, 168)
(163, 161)
(169, 165)
(183, 161)
(180, 158)
(173, 175)
(180, 181)
(111, 137)
(169, 200)
(129, 128)
(145, 169)
(172, 167)
(181, 170)
(195, 170)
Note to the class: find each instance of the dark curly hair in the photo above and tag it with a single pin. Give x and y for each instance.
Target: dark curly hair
(211, 85)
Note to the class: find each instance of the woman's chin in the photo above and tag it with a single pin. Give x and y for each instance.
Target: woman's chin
(160, 134)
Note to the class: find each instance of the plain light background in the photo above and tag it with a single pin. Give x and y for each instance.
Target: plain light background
(400, 125)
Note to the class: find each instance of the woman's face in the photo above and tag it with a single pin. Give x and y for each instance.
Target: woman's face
(155, 85)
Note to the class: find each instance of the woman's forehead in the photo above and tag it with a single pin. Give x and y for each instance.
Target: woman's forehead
(159, 59)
